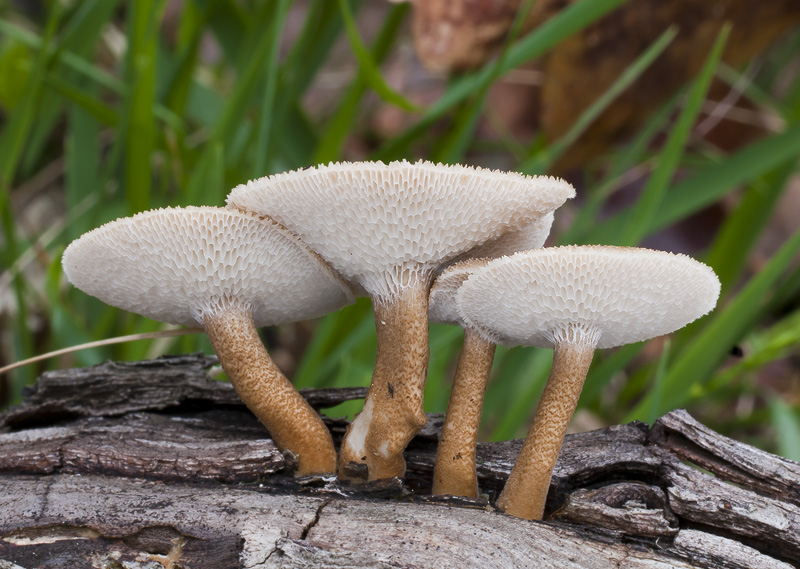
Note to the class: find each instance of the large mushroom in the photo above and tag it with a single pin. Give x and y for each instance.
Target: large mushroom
(387, 228)
(574, 300)
(455, 470)
(229, 272)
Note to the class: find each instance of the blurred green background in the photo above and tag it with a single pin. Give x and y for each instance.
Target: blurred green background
(110, 107)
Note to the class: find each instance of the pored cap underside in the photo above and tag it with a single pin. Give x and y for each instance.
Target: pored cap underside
(369, 218)
(442, 299)
(531, 236)
(626, 294)
(177, 265)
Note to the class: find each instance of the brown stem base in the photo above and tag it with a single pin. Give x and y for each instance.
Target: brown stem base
(292, 423)
(454, 472)
(392, 412)
(525, 491)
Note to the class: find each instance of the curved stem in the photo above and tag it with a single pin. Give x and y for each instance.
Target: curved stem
(454, 472)
(525, 491)
(392, 412)
(291, 421)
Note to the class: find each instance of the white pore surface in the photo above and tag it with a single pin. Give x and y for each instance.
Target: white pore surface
(178, 265)
(531, 236)
(375, 223)
(442, 299)
(626, 294)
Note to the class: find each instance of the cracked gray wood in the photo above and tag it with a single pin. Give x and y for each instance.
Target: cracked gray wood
(156, 465)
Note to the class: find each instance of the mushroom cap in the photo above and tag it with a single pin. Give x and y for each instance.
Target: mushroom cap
(442, 298)
(531, 236)
(380, 224)
(625, 294)
(177, 265)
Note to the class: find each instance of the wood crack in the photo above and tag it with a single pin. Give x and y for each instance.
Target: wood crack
(315, 521)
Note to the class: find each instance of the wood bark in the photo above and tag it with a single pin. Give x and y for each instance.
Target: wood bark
(155, 464)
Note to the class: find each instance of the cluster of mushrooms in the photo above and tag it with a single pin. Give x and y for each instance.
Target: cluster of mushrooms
(424, 241)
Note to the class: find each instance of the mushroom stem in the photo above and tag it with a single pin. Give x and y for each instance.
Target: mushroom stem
(454, 472)
(393, 411)
(291, 421)
(525, 491)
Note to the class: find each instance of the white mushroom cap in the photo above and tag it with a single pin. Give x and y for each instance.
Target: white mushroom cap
(380, 224)
(442, 299)
(531, 236)
(177, 265)
(625, 294)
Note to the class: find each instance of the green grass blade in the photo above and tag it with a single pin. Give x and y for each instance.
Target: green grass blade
(229, 21)
(786, 420)
(708, 184)
(180, 81)
(453, 146)
(337, 335)
(68, 58)
(83, 165)
(341, 123)
(139, 130)
(366, 64)
(298, 138)
(236, 106)
(445, 343)
(207, 182)
(632, 154)
(17, 128)
(659, 383)
(320, 31)
(13, 138)
(568, 21)
(603, 370)
(80, 32)
(762, 348)
(268, 99)
(81, 98)
(644, 211)
(742, 229)
(84, 69)
(540, 163)
(692, 369)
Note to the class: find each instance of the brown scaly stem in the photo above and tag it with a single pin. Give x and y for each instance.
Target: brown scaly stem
(392, 412)
(292, 423)
(454, 472)
(525, 491)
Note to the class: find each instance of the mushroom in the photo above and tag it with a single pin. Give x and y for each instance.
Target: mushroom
(228, 272)
(387, 228)
(454, 471)
(574, 300)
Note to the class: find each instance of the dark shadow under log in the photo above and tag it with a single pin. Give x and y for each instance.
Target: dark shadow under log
(155, 464)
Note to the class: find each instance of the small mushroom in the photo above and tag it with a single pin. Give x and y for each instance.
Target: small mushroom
(574, 300)
(454, 471)
(228, 272)
(387, 228)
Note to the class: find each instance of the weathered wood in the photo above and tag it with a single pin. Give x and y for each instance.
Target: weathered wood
(632, 508)
(715, 551)
(116, 388)
(734, 511)
(730, 460)
(127, 470)
(276, 528)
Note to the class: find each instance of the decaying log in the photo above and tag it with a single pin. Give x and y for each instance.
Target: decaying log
(155, 464)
